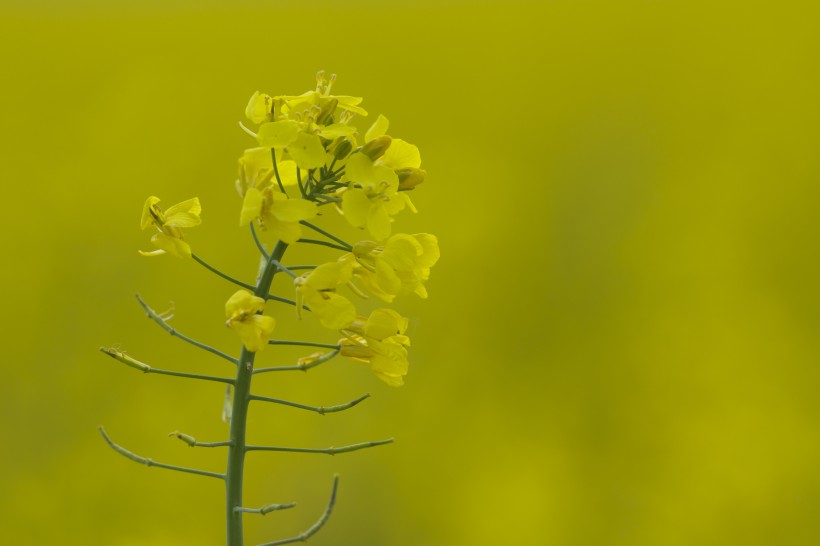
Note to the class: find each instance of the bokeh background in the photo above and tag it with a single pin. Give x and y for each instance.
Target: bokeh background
(622, 340)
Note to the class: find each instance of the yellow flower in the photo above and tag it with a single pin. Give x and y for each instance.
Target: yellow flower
(379, 342)
(243, 311)
(399, 266)
(169, 224)
(256, 170)
(372, 196)
(317, 290)
(276, 212)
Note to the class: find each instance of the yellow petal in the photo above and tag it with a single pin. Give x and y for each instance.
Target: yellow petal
(189, 206)
(430, 251)
(147, 218)
(356, 206)
(307, 151)
(287, 171)
(332, 310)
(386, 278)
(378, 128)
(277, 134)
(401, 251)
(336, 130)
(251, 207)
(172, 245)
(293, 210)
(287, 232)
(258, 107)
(401, 155)
(378, 222)
(359, 168)
(384, 323)
(241, 303)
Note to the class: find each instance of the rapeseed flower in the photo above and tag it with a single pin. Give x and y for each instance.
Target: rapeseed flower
(169, 237)
(399, 266)
(317, 290)
(379, 342)
(243, 311)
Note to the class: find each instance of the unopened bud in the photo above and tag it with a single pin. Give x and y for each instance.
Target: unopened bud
(376, 147)
(125, 359)
(190, 440)
(410, 178)
(342, 149)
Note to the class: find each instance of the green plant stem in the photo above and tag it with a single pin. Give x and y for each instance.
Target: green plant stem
(266, 509)
(303, 343)
(234, 475)
(322, 450)
(211, 268)
(299, 367)
(227, 380)
(259, 244)
(326, 234)
(148, 462)
(321, 410)
(302, 537)
(171, 330)
(323, 243)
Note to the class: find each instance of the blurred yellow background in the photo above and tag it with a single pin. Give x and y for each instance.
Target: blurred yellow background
(621, 344)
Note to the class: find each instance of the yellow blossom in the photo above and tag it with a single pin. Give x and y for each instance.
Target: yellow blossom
(169, 224)
(317, 290)
(243, 311)
(399, 266)
(373, 196)
(275, 211)
(379, 342)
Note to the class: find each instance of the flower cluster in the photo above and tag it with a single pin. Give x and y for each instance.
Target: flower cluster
(309, 154)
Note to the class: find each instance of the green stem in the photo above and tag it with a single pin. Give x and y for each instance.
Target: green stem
(323, 243)
(220, 273)
(302, 537)
(324, 450)
(276, 170)
(259, 244)
(171, 330)
(149, 462)
(303, 343)
(327, 234)
(321, 410)
(239, 416)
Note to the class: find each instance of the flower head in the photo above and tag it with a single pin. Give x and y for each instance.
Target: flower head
(169, 224)
(379, 342)
(399, 266)
(243, 311)
(317, 290)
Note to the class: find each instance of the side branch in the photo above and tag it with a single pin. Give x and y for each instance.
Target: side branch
(268, 508)
(326, 234)
(304, 344)
(316, 526)
(211, 268)
(321, 410)
(171, 330)
(326, 451)
(145, 368)
(259, 244)
(323, 243)
(148, 462)
(304, 363)
(191, 441)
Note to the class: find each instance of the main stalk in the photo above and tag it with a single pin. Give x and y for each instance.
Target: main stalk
(239, 416)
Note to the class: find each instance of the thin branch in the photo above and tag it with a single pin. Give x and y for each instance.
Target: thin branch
(191, 441)
(325, 451)
(321, 410)
(304, 364)
(268, 508)
(148, 462)
(276, 170)
(285, 270)
(221, 274)
(145, 368)
(171, 330)
(303, 344)
(259, 244)
(298, 267)
(323, 243)
(280, 299)
(316, 526)
(326, 234)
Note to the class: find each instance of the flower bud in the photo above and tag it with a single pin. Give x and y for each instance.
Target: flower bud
(342, 149)
(376, 147)
(410, 178)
